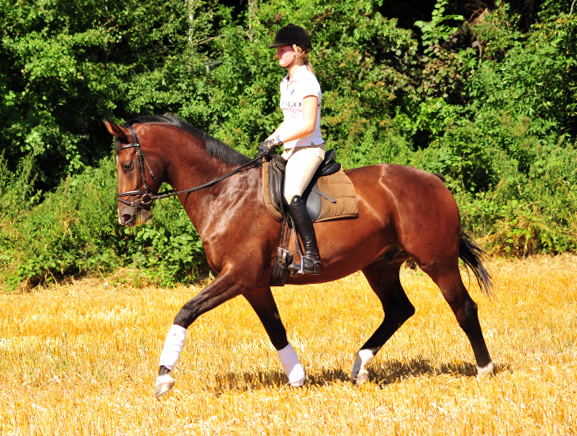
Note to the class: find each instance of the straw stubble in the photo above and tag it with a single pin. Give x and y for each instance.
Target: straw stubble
(82, 358)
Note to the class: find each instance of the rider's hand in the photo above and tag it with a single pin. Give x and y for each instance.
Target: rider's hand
(269, 145)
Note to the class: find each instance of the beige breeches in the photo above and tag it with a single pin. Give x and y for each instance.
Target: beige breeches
(302, 163)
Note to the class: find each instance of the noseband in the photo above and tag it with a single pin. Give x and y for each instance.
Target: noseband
(145, 198)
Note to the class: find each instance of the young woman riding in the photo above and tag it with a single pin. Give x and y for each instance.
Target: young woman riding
(300, 133)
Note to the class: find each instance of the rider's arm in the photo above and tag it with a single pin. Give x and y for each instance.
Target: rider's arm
(310, 104)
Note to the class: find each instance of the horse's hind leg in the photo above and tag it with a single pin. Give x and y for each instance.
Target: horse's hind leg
(448, 278)
(385, 282)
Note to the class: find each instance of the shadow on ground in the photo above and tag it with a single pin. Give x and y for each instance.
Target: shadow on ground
(389, 372)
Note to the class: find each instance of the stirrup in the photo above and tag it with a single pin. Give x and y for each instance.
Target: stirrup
(308, 265)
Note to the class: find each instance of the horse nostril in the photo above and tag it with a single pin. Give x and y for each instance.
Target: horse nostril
(125, 218)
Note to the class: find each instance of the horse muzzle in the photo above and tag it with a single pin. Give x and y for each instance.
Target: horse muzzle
(133, 213)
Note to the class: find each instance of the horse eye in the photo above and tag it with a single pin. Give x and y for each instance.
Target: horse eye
(127, 166)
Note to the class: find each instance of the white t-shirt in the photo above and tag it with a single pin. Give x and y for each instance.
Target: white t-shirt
(292, 93)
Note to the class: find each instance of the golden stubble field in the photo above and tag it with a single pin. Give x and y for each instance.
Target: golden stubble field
(81, 359)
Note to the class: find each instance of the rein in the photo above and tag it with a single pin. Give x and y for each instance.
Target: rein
(146, 198)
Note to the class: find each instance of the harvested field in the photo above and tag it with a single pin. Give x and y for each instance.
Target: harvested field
(81, 359)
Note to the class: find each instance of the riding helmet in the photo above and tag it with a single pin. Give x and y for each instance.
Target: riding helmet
(292, 34)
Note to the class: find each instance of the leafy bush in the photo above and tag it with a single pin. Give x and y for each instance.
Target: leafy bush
(491, 104)
(75, 231)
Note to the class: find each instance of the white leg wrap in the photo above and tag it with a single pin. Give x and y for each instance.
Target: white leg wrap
(485, 370)
(293, 368)
(172, 346)
(362, 360)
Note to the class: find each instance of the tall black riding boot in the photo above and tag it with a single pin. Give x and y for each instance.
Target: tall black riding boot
(311, 261)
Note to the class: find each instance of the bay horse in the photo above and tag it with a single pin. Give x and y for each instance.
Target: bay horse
(404, 213)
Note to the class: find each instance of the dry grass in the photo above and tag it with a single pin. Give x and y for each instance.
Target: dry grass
(82, 359)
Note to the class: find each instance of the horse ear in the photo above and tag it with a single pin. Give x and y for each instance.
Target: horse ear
(116, 130)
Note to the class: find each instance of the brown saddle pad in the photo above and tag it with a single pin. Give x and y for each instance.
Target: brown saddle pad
(337, 186)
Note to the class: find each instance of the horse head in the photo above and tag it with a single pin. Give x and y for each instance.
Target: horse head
(136, 179)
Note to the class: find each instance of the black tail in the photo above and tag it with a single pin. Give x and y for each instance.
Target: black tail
(472, 254)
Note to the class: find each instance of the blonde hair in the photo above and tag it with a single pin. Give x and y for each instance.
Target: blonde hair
(303, 56)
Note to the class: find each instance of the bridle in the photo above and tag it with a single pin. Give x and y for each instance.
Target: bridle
(145, 197)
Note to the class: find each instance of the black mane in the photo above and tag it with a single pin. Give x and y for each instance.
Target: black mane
(214, 147)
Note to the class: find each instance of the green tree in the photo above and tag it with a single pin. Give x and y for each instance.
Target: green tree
(488, 103)
(67, 65)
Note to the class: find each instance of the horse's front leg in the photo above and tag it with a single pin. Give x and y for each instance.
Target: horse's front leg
(226, 286)
(262, 301)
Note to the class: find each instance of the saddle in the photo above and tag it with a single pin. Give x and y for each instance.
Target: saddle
(330, 195)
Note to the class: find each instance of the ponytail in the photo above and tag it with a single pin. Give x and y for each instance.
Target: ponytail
(307, 64)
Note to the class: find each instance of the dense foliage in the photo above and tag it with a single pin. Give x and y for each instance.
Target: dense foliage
(487, 96)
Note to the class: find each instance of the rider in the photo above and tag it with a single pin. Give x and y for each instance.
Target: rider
(300, 133)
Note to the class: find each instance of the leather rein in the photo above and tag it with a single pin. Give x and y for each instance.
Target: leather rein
(145, 197)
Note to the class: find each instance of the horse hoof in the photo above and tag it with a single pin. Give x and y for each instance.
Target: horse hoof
(297, 384)
(360, 372)
(485, 371)
(164, 383)
(361, 377)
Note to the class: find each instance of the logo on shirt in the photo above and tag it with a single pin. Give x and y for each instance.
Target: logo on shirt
(287, 104)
